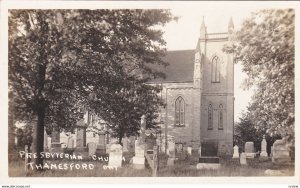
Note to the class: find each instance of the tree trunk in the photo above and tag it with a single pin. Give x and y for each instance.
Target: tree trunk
(120, 136)
(38, 136)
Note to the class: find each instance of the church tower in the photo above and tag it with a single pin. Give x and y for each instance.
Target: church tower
(216, 92)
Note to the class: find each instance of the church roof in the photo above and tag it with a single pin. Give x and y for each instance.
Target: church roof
(180, 68)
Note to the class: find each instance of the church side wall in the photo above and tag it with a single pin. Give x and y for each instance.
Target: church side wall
(179, 134)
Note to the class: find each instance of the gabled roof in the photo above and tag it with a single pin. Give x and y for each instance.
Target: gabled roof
(180, 68)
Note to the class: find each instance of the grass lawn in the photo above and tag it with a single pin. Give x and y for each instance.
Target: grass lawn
(180, 169)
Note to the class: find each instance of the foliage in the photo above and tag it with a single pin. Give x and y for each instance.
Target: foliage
(24, 136)
(265, 46)
(246, 131)
(65, 62)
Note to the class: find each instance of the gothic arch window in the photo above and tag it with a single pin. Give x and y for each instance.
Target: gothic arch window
(210, 117)
(215, 71)
(220, 118)
(179, 111)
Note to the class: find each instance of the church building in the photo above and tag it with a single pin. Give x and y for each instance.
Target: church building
(199, 96)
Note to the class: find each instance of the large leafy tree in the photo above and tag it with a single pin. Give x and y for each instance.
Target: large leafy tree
(63, 62)
(265, 47)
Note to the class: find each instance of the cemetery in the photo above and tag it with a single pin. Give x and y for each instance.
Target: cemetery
(141, 157)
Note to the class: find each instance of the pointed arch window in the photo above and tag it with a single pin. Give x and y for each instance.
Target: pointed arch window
(215, 74)
(179, 111)
(210, 117)
(220, 118)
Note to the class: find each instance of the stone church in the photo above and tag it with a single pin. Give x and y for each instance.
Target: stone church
(199, 94)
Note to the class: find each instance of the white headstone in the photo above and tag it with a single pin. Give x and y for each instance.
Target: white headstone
(235, 152)
(189, 150)
(139, 149)
(45, 140)
(264, 148)
(139, 158)
(243, 160)
(92, 148)
(115, 155)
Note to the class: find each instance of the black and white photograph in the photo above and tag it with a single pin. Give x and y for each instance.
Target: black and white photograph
(157, 89)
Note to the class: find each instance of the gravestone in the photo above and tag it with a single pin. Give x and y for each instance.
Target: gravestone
(281, 154)
(189, 151)
(70, 143)
(263, 153)
(55, 142)
(115, 155)
(171, 149)
(45, 141)
(101, 146)
(208, 156)
(92, 148)
(138, 160)
(243, 160)
(81, 137)
(81, 148)
(249, 150)
(49, 142)
(235, 152)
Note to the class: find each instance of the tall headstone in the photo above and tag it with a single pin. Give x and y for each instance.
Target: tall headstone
(45, 141)
(55, 141)
(249, 150)
(92, 148)
(70, 144)
(143, 128)
(81, 148)
(189, 151)
(172, 156)
(235, 152)
(115, 155)
(281, 154)
(138, 160)
(263, 153)
(101, 146)
(81, 137)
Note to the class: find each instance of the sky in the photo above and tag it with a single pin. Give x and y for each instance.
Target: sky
(184, 33)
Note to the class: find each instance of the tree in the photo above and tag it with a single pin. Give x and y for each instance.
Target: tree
(63, 62)
(245, 130)
(265, 46)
